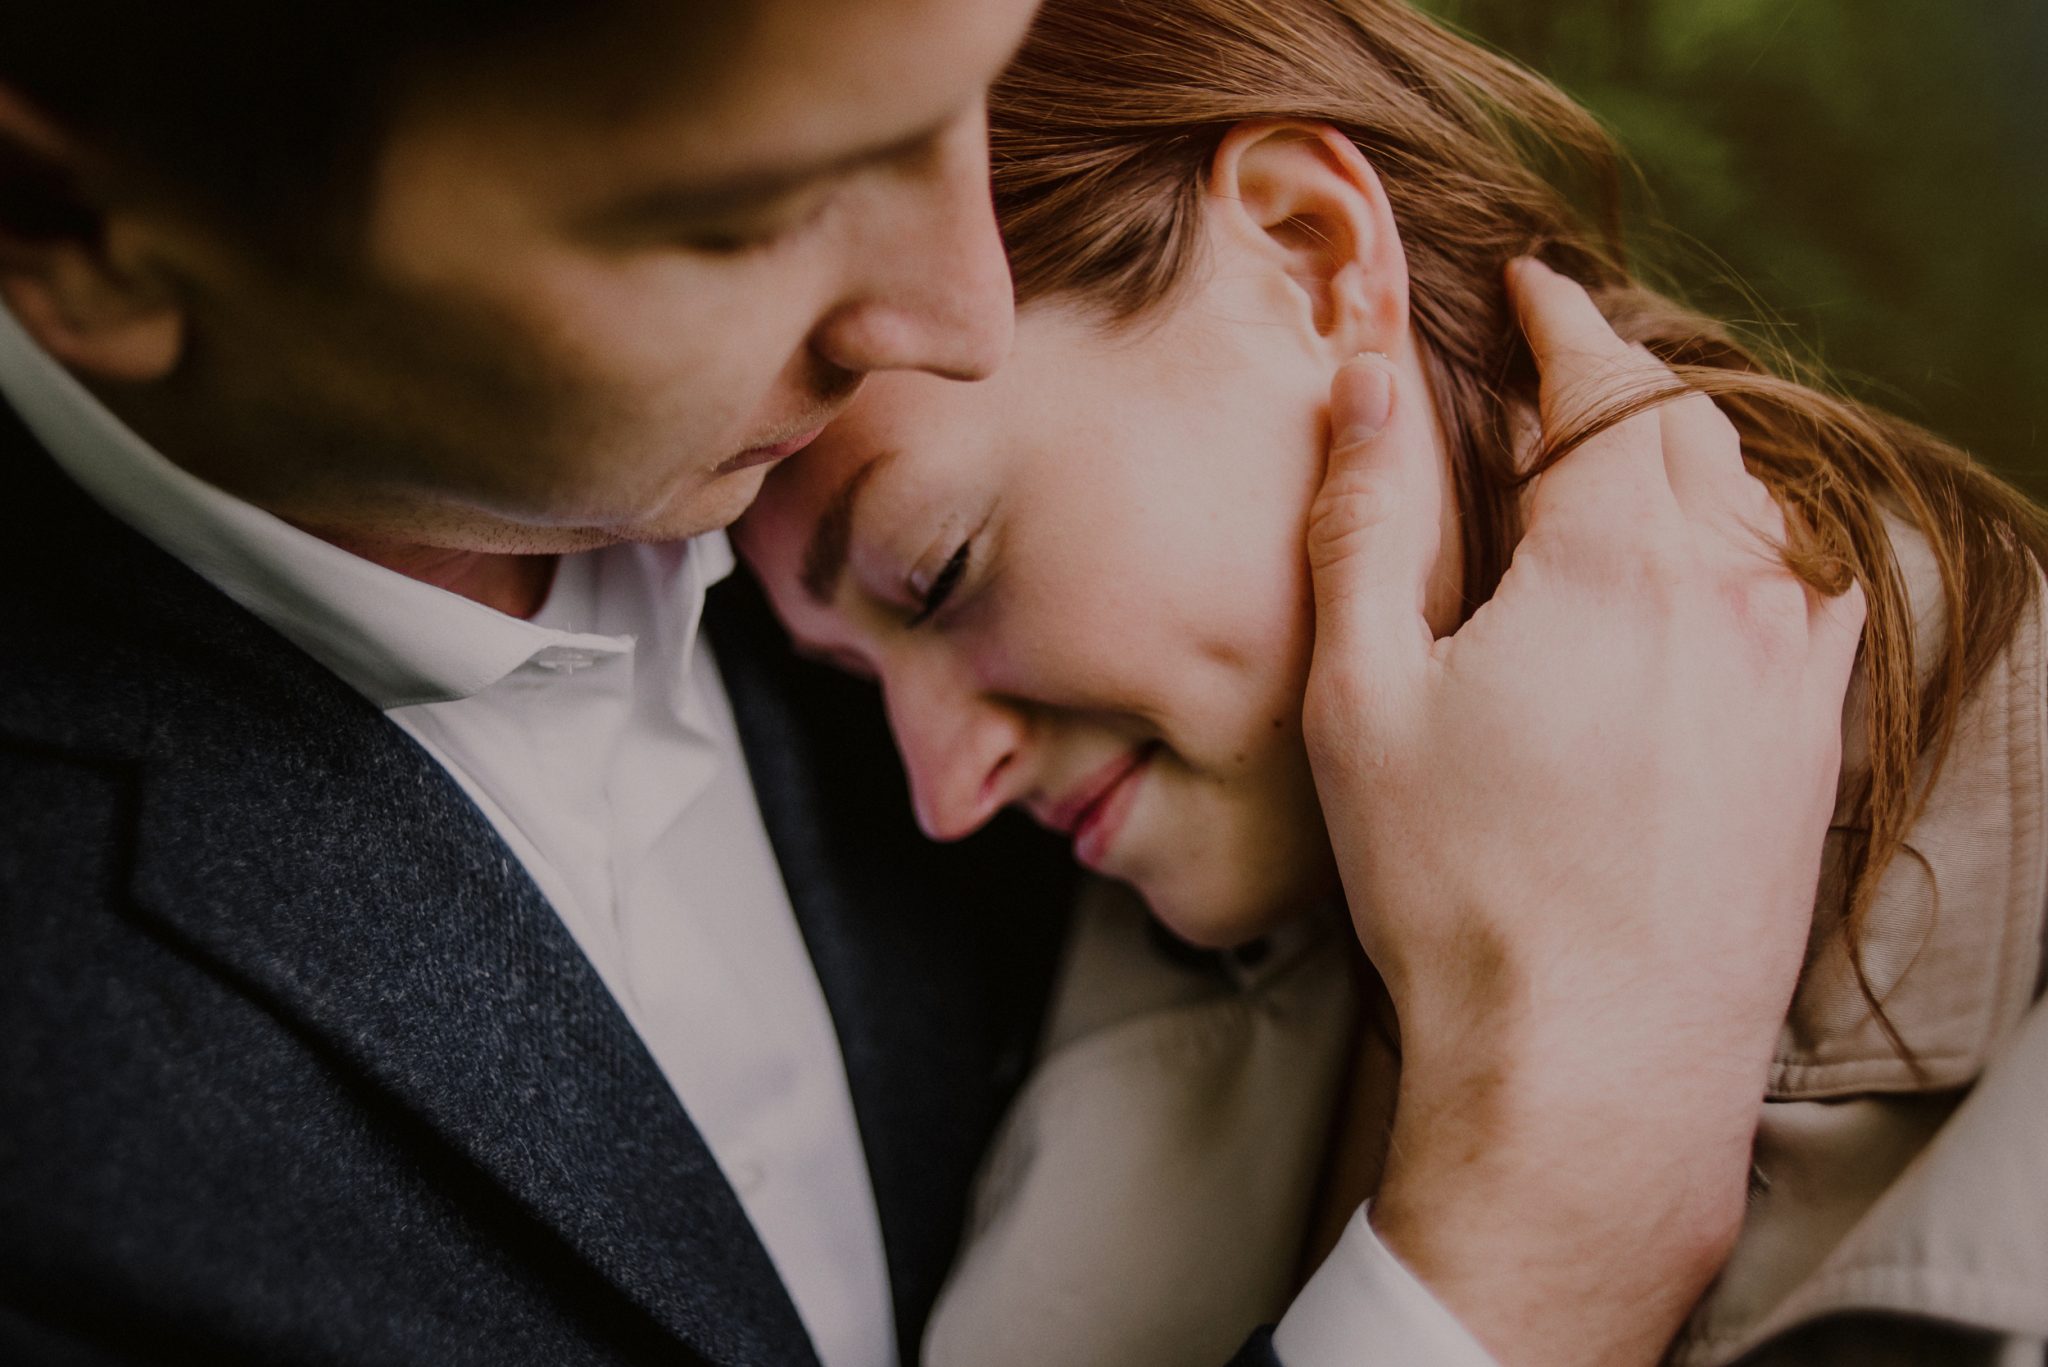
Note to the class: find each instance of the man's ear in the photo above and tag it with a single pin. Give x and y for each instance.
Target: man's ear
(75, 276)
(1304, 198)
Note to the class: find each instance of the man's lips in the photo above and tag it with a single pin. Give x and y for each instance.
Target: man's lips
(764, 455)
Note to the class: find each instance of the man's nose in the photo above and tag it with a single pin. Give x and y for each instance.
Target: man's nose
(933, 289)
(962, 749)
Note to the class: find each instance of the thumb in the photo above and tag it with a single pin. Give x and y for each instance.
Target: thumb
(1374, 530)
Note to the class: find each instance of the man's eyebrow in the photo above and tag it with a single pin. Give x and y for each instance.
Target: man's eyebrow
(683, 201)
(832, 538)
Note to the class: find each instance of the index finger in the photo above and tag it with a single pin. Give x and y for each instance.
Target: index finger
(1583, 366)
(1572, 340)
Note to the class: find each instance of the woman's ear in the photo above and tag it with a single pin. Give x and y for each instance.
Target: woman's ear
(1303, 198)
(76, 278)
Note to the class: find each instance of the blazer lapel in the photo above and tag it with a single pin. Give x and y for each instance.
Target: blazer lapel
(936, 962)
(289, 835)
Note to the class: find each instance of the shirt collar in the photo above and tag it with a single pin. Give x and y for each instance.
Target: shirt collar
(396, 640)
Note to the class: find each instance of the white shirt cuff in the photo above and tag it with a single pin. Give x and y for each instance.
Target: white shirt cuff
(1364, 1309)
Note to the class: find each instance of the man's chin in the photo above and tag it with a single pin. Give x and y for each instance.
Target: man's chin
(711, 506)
(708, 507)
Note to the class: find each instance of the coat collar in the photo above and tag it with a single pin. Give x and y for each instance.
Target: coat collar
(1962, 1235)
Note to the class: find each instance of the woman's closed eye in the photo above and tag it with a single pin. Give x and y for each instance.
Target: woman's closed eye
(931, 597)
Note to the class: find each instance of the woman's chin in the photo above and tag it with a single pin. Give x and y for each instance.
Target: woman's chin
(1214, 923)
(1224, 913)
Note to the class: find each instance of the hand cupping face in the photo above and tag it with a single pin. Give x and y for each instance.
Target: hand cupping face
(1580, 837)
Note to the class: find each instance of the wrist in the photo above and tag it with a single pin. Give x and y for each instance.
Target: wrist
(1513, 1067)
(1579, 1133)
(1561, 1203)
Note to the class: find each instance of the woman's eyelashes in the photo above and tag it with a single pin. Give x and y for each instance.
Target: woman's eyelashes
(933, 597)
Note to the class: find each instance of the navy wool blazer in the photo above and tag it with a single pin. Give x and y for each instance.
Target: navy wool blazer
(297, 1066)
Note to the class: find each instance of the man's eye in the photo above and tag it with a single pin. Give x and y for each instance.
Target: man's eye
(740, 239)
(728, 244)
(942, 585)
(737, 241)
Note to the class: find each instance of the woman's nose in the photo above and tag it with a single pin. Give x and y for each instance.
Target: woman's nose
(963, 751)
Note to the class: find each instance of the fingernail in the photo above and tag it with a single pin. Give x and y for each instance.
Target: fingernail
(1369, 401)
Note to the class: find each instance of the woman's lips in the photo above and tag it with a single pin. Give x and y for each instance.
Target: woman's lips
(1096, 826)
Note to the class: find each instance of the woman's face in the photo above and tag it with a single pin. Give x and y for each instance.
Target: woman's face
(1082, 583)
(1082, 588)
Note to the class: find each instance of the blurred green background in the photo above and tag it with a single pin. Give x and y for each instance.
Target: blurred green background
(1874, 172)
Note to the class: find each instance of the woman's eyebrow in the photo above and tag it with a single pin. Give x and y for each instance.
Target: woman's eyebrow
(831, 539)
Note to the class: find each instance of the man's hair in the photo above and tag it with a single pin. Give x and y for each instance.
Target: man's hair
(259, 117)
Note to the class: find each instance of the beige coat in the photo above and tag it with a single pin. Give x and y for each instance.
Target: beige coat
(1145, 1202)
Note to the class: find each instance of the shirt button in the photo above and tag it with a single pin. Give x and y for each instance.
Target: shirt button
(563, 659)
(748, 1176)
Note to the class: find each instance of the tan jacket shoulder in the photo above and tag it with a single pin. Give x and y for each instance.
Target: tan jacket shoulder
(1890, 1189)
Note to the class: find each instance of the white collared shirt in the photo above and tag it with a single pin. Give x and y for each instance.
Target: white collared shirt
(598, 740)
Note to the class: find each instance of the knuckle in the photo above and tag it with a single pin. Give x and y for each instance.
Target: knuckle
(1706, 428)
(1658, 552)
(1840, 626)
(1663, 574)
(1764, 506)
(1853, 605)
(1760, 528)
(1718, 427)
(1647, 366)
(1769, 610)
(1778, 600)
(1622, 543)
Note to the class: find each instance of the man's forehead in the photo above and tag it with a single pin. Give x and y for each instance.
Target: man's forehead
(730, 85)
(857, 51)
(685, 111)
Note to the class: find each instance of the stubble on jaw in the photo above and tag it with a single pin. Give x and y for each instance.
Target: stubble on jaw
(365, 411)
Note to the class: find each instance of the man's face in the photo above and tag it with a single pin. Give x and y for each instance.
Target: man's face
(595, 305)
